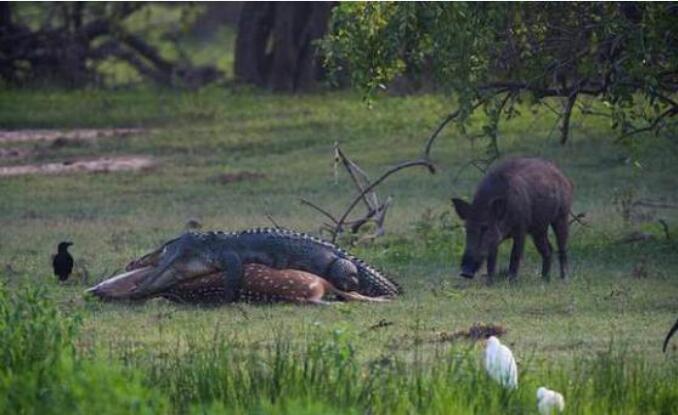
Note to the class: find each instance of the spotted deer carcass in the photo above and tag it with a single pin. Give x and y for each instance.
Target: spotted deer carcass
(519, 196)
(260, 283)
(293, 285)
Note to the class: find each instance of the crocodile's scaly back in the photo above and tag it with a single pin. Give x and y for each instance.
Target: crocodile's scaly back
(371, 281)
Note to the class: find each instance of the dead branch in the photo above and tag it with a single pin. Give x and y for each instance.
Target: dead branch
(380, 324)
(270, 218)
(359, 178)
(578, 218)
(376, 211)
(374, 184)
(375, 215)
(319, 209)
(380, 216)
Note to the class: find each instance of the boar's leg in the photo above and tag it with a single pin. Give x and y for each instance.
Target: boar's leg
(516, 254)
(491, 264)
(561, 227)
(541, 242)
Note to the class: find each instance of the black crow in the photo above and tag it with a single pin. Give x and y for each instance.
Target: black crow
(63, 261)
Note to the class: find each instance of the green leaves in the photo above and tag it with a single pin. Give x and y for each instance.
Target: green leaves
(621, 53)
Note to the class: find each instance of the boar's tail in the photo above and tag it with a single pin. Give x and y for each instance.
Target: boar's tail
(668, 336)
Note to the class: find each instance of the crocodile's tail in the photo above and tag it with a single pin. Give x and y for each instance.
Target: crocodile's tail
(374, 284)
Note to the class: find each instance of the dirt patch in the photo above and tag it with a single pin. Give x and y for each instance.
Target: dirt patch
(240, 176)
(14, 153)
(478, 331)
(62, 142)
(80, 134)
(104, 164)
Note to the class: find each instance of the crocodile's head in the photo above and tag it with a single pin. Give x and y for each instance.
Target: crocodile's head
(178, 261)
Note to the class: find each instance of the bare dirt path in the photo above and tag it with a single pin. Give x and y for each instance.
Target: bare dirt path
(13, 136)
(57, 138)
(103, 164)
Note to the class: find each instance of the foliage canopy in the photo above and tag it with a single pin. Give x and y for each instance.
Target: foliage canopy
(499, 54)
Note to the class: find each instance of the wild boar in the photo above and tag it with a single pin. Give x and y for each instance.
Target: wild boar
(517, 197)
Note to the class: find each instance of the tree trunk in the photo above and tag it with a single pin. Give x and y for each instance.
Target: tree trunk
(274, 48)
(254, 29)
(59, 50)
(310, 67)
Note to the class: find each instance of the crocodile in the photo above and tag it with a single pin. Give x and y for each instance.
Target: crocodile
(168, 269)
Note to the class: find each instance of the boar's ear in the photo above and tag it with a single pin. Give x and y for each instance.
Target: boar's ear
(461, 207)
(498, 207)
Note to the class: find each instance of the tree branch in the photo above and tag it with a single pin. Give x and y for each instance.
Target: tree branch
(351, 167)
(113, 48)
(565, 120)
(401, 166)
(578, 219)
(270, 218)
(441, 126)
(319, 209)
(148, 52)
(669, 112)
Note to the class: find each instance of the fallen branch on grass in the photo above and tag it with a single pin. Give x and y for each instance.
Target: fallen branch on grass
(375, 209)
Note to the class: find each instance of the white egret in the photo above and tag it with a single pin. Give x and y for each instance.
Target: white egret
(500, 364)
(549, 402)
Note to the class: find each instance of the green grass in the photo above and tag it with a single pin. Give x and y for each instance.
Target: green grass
(596, 337)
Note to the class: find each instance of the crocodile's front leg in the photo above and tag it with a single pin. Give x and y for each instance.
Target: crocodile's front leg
(231, 272)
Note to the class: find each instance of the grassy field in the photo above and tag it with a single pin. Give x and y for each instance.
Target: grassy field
(596, 337)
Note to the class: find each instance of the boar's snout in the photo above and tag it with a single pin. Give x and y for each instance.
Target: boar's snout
(469, 266)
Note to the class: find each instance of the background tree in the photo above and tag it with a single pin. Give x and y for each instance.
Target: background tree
(275, 46)
(491, 56)
(65, 43)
